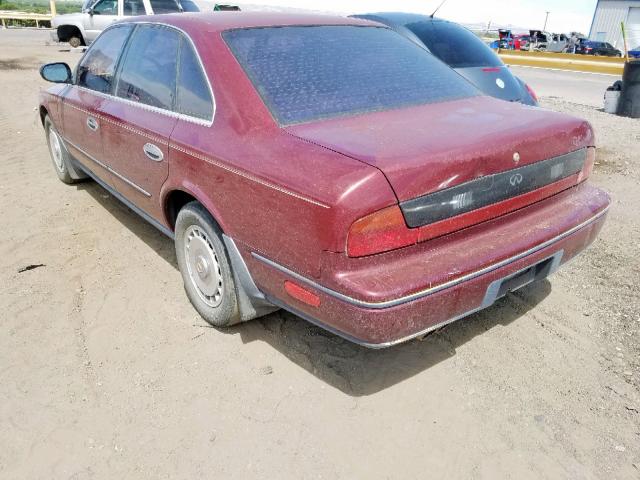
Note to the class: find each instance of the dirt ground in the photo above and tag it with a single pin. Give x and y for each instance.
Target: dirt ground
(107, 372)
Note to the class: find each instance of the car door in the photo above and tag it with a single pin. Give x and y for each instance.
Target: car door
(93, 84)
(101, 14)
(140, 117)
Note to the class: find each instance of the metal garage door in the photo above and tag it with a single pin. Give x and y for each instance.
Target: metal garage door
(633, 27)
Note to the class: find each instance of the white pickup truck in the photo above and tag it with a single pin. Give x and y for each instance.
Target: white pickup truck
(83, 28)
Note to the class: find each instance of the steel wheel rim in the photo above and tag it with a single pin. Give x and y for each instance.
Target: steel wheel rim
(203, 266)
(56, 150)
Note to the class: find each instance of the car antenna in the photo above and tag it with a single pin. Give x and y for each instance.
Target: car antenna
(436, 10)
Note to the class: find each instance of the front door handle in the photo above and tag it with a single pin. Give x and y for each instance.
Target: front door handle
(153, 152)
(92, 123)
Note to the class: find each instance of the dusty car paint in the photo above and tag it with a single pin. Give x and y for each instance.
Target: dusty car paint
(287, 197)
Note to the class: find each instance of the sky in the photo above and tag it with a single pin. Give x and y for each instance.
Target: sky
(564, 16)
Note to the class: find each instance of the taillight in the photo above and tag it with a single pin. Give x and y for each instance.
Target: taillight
(589, 162)
(378, 232)
(531, 92)
(469, 203)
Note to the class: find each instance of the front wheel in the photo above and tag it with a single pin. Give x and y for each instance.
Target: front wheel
(205, 267)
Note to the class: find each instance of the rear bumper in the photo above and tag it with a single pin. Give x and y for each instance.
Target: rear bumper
(378, 314)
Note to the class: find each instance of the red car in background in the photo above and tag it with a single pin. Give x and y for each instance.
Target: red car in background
(325, 165)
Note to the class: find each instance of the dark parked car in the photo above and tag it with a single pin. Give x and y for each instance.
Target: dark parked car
(603, 49)
(324, 165)
(635, 53)
(462, 50)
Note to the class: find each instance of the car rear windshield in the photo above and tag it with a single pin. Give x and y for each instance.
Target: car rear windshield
(307, 73)
(454, 45)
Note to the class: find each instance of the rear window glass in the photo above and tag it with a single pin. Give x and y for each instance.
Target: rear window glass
(454, 45)
(165, 6)
(315, 72)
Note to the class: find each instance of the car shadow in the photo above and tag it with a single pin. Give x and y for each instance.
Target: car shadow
(356, 371)
(150, 235)
(360, 371)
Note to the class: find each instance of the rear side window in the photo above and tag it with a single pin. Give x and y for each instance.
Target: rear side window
(314, 72)
(193, 96)
(148, 72)
(165, 6)
(134, 7)
(454, 45)
(96, 70)
(189, 6)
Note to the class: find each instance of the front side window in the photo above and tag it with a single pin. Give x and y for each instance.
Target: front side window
(314, 72)
(148, 72)
(96, 70)
(106, 7)
(165, 6)
(454, 45)
(134, 7)
(193, 95)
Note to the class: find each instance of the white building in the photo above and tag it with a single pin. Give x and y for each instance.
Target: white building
(605, 26)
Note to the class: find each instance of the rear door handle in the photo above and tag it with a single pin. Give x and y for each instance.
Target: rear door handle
(92, 123)
(153, 152)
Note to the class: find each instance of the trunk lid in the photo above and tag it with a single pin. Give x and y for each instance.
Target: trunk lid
(497, 82)
(427, 148)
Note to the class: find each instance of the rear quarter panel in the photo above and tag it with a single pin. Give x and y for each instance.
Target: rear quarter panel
(282, 196)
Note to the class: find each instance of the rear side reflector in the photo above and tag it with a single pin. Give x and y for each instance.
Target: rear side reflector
(302, 294)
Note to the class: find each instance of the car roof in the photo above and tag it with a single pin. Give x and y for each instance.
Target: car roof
(221, 21)
(398, 18)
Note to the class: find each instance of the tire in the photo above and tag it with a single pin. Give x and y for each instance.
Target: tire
(205, 266)
(75, 42)
(58, 151)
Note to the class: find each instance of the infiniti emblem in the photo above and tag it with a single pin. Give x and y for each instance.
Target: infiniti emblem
(516, 157)
(516, 179)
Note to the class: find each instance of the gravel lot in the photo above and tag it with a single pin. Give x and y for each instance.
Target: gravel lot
(107, 372)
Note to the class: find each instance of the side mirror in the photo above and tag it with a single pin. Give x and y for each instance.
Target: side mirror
(58, 72)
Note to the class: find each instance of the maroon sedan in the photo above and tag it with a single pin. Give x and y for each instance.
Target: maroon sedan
(324, 165)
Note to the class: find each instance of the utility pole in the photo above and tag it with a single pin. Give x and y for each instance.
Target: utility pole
(544, 29)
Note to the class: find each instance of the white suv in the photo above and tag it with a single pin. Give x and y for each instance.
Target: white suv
(83, 28)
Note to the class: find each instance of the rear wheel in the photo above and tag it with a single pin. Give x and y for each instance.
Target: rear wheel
(75, 42)
(204, 265)
(58, 152)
